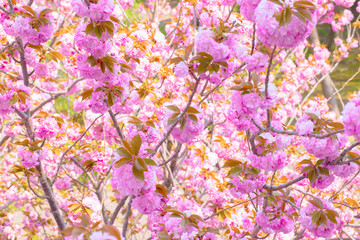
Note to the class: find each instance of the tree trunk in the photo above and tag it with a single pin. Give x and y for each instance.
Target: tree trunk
(326, 84)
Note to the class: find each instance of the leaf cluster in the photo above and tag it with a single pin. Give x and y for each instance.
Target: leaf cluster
(130, 154)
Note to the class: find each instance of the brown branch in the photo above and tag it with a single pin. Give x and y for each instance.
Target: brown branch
(225, 209)
(285, 185)
(117, 210)
(116, 124)
(342, 155)
(56, 95)
(181, 115)
(73, 145)
(231, 11)
(3, 140)
(33, 190)
(23, 62)
(127, 216)
(344, 185)
(176, 152)
(55, 210)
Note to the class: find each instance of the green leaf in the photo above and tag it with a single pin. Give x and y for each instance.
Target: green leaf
(305, 169)
(23, 96)
(192, 110)
(235, 171)
(206, 55)
(315, 217)
(276, 1)
(162, 190)
(319, 162)
(337, 126)
(135, 144)
(98, 32)
(150, 162)
(138, 174)
(135, 120)
(112, 230)
(285, 16)
(324, 171)
(127, 146)
(313, 116)
(45, 11)
(306, 161)
(188, 51)
(353, 155)
(316, 202)
(123, 65)
(202, 68)
(114, 19)
(173, 108)
(176, 60)
(140, 164)
(110, 99)
(331, 215)
(224, 64)
(193, 118)
(313, 175)
(304, 4)
(121, 162)
(124, 152)
(102, 67)
(231, 163)
(29, 9)
(173, 119)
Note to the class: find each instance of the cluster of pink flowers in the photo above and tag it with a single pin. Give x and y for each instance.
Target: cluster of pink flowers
(322, 231)
(323, 181)
(127, 184)
(146, 200)
(205, 42)
(24, 28)
(246, 185)
(282, 224)
(269, 162)
(256, 62)
(305, 125)
(5, 107)
(345, 19)
(91, 44)
(316, 146)
(99, 11)
(31, 159)
(351, 118)
(186, 133)
(247, 8)
(47, 128)
(250, 105)
(181, 70)
(345, 3)
(269, 32)
(345, 170)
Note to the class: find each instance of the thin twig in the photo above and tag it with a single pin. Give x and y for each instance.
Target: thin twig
(180, 117)
(116, 124)
(127, 216)
(225, 209)
(117, 210)
(73, 145)
(345, 184)
(344, 85)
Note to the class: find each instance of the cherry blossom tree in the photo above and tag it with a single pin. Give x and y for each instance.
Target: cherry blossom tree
(181, 119)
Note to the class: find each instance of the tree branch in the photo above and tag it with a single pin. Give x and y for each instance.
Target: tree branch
(127, 216)
(117, 210)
